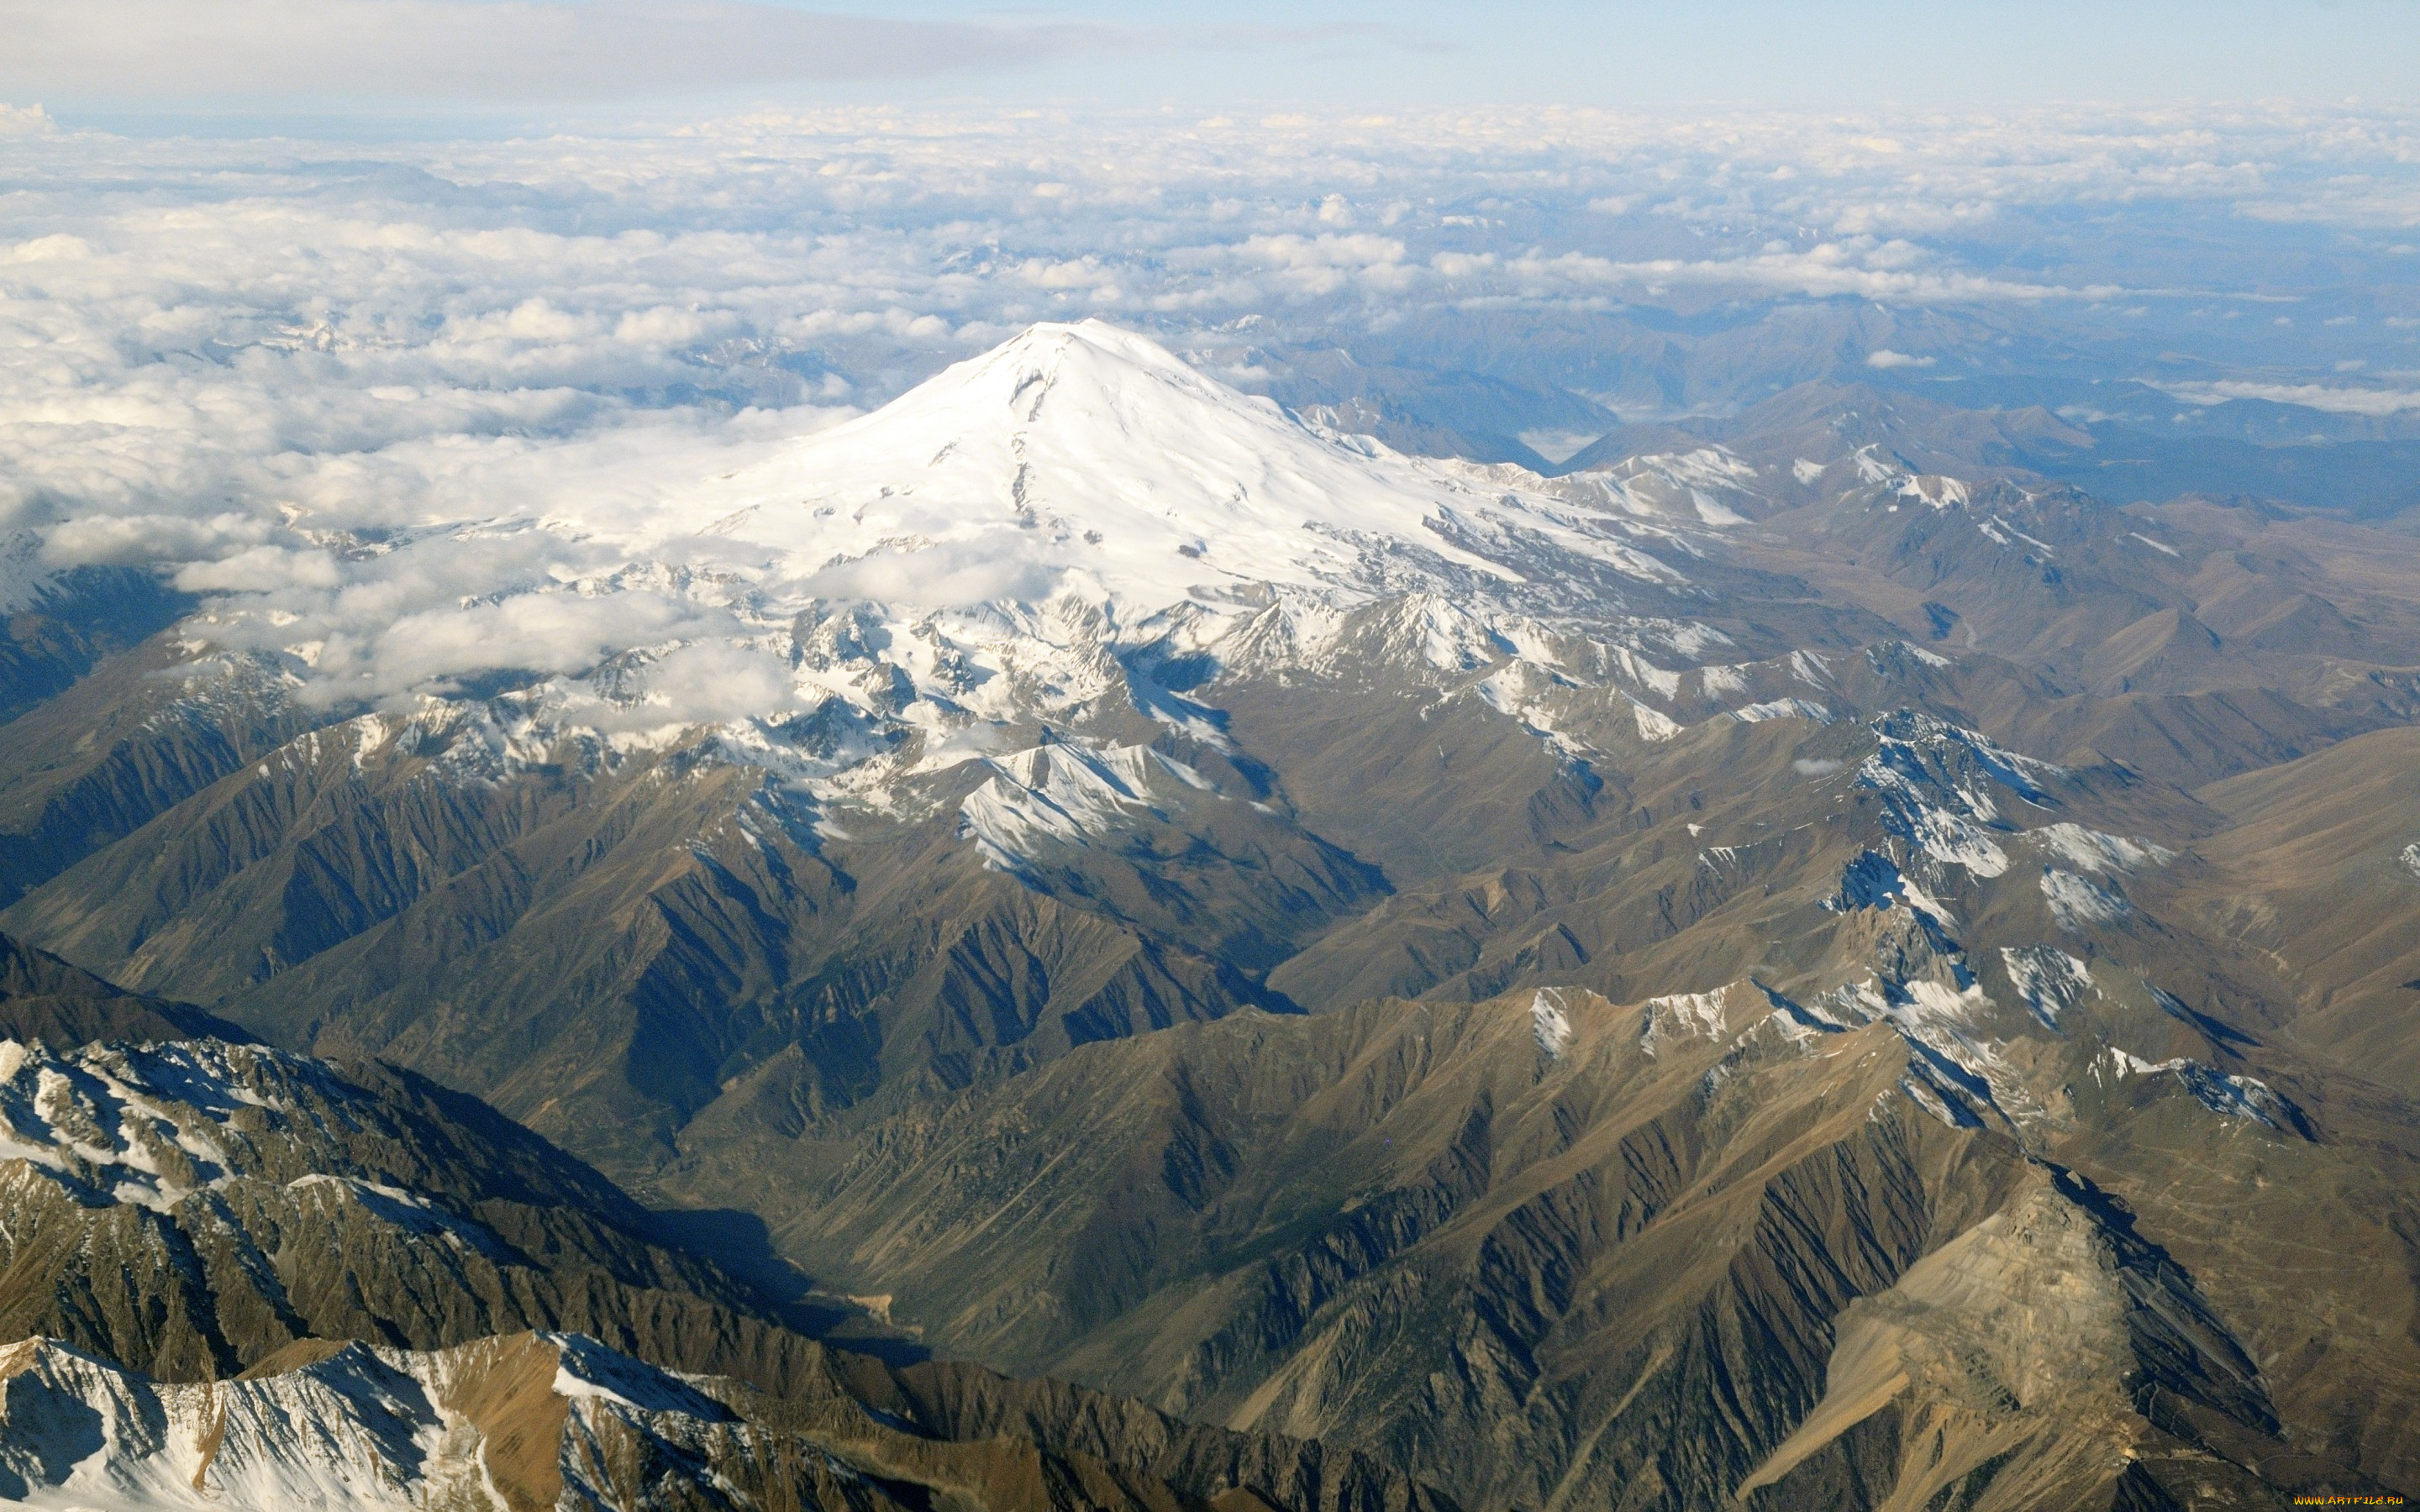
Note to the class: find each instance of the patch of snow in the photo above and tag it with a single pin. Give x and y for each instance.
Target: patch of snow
(1936, 781)
(587, 1370)
(1943, 832)
(348, 1432)
(1656, 725)
(1871, 881)
(1782, 709)
(2089, 850)
(2244, 1098)
(1921, 1091)
(996, 547)
(1948, 837)
(1065, 793)
(2050, 981)
(25, 580)
(1646, 673)
(1685, 1015)
(1548, 1025)
(369, 732)
(1805, 470)
(1872, 467)
(1918, 731)
(1691, 640)
(1801, 1021)
(1938, 1019)
(363, 1431)
(1519, 692)
(2035, 542)
(157, 1126)
(405, 1210)
(2077, 903)
(1929, 1002)
(1699, 488)
(1934, 489)
(2157, 545)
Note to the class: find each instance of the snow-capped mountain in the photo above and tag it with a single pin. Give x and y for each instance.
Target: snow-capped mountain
(193, 1229)
(559, 1422)
(987, 550)
(1087, 462)
(1798, 812)
(487, 1427)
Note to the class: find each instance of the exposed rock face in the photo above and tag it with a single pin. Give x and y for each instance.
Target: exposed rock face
(2039, 1359)
(196, 1207)
(526, 1423)
(1549, 1247)
(220, 1213)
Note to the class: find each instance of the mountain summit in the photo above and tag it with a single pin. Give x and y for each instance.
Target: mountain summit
(1086, 460)
(1079, 457)
(1004, 544)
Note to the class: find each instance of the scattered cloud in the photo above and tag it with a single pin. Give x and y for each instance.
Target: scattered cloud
(1885, 357)
(2334, 398)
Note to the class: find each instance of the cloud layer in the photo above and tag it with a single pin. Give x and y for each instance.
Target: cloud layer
(355, 388)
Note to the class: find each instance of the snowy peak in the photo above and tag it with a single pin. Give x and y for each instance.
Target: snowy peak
(530, 1419)
(994, 546)
(150, 1124)
(1088, 460)
(1710, 485)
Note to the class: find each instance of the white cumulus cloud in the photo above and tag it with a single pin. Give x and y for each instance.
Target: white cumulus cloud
(406, 407)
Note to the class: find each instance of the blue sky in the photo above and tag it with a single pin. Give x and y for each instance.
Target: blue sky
(107, 62)
(1840, 52)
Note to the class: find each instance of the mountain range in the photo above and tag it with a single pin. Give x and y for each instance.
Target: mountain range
(1801, 961)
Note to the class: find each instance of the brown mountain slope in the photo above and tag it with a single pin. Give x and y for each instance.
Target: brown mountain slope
(556, 1423)
(2317, 870)
(1551, 1253)
(43, 999)
(201, 1210)
(598, 952)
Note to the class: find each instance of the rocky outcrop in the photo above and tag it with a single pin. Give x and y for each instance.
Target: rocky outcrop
(214, 1212)
(526, 1423)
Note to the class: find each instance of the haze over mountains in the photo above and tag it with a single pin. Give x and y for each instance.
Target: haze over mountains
(1574, 813)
